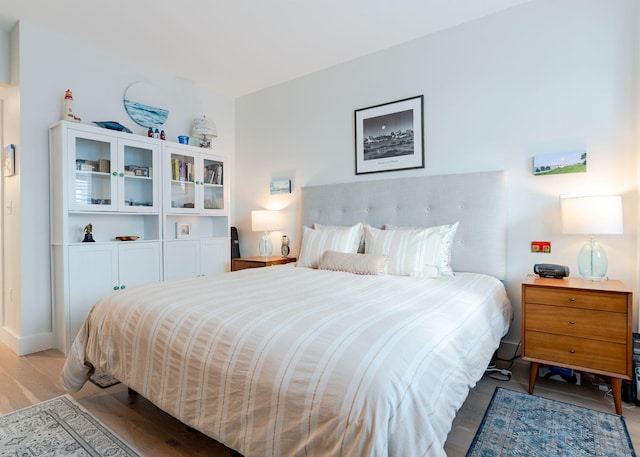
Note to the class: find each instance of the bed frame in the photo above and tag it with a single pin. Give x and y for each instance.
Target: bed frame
(476, 200)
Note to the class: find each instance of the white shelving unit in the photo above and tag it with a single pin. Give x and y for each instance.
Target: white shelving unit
(123, 185)
(197, 198)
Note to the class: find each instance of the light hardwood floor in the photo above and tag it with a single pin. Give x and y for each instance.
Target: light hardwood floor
(27, 380)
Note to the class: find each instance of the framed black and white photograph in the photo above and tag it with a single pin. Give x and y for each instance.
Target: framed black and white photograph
(390, 137)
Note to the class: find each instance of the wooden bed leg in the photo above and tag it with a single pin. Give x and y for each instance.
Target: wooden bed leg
(130, 391)
(234, 453)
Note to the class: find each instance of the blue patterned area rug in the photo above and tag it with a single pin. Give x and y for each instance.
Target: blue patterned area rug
(518, 424)
(59, 427)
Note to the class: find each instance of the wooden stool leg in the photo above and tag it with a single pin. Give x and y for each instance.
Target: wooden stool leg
(533, 375)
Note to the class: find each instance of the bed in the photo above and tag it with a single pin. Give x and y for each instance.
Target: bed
(316, 360)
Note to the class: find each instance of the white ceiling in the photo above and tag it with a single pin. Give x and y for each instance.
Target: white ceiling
(240, 46)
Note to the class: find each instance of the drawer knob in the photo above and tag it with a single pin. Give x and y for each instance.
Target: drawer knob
(572, 322)
(572, 299)
(572, 351)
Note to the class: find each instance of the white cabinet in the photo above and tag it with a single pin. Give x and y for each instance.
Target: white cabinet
(130, 185)
(191, 258)
(110, 180)
(111, 173)
(197, 181)
(197, 197)
(95, 271)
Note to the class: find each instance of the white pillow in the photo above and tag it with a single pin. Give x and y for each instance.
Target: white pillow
(317, 242)
(447, 234)
(361, 264)
(330, 227)
(410, 252)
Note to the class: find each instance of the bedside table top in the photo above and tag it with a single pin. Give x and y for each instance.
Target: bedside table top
(609, 285)
(269, 260)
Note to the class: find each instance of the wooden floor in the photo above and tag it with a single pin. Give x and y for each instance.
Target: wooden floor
(28, 380)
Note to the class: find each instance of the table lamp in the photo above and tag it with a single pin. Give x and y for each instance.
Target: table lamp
(592, 215)
(204, 129)
(265, 220)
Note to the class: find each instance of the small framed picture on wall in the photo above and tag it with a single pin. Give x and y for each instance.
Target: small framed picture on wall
(9, 160)
(183, 230)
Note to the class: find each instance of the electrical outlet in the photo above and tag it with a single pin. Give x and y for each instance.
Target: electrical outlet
(541, 246)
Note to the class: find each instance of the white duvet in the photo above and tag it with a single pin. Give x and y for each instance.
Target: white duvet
(287, 361)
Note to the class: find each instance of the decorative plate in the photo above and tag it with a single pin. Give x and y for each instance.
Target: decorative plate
(145, 105)
(127, 238)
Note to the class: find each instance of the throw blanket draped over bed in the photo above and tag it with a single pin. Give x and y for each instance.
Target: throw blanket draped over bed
(288, 361)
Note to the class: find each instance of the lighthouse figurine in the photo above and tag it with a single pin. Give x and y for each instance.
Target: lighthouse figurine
(67, 108)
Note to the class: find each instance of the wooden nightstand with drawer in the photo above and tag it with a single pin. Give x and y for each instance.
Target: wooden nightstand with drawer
(578, 324)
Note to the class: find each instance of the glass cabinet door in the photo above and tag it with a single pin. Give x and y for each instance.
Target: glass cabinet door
(212, 184)
(183, 182)
(92, 184)
(138, 176)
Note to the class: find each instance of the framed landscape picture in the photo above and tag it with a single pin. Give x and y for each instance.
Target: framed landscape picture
(390, 137)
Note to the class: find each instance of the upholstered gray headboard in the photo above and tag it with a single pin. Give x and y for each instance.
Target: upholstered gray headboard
(476, 200)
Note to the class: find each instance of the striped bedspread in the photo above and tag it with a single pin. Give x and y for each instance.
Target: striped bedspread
(288, 361)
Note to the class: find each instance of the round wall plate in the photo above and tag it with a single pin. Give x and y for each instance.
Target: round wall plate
(145, 105)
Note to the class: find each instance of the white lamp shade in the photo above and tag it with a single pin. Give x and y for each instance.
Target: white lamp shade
(203, 127)
(265, 220)
(592, 215)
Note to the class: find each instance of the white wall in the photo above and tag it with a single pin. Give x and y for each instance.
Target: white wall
(5, 56)
(48, 65)
(547, 76)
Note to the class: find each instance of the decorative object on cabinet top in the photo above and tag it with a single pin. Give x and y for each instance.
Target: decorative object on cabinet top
(112, 125)
(205, 129)
(67, 108)
(144, 104)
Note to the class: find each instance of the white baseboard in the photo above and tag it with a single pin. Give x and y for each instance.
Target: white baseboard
(25, 345)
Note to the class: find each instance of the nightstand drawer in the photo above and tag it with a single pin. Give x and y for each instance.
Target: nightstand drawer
(576, 298)
(586, 323)
(577, 352)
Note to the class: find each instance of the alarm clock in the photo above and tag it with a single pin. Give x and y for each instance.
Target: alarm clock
(551, 270)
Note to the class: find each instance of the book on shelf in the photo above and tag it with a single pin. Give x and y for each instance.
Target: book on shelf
(213, 174)
(181, 170)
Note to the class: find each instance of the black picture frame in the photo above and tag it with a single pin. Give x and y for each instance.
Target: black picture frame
(390, 136)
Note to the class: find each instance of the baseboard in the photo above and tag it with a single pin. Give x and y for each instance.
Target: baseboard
(25, 345)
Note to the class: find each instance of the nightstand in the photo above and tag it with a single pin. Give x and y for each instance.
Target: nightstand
(578, 324)
(259, 261)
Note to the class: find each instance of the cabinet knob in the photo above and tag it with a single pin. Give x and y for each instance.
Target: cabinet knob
(116, 288)
(572, 322)
(122, 287)
(572, 351)
(572, 299)
(121, 175)
(115, 173)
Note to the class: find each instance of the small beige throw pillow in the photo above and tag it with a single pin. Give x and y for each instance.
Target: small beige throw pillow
(360, 264)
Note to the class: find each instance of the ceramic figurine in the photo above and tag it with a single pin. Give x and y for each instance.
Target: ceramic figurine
(162, 135)
(284, 250)
(88, 237)
(67, 108)
(150, 132)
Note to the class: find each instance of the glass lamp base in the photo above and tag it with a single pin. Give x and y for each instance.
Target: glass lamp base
(592, 261)
(265, 247)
